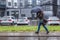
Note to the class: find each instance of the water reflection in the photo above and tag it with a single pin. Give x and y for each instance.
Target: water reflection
(29, 38)
(41, 38)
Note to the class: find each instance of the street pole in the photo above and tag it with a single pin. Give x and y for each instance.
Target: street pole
(20, 8)
(54, 7)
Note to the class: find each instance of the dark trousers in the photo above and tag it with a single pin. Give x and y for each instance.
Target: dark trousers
(39, 25)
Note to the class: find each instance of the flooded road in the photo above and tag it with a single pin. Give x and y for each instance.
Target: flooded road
(29, 36)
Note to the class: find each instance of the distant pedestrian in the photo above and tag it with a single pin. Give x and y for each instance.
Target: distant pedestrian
(42, 21)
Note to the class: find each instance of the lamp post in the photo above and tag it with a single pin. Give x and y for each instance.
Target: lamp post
(20, 7)
(55, 7)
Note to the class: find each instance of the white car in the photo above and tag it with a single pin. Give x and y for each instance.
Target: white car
(0, 19)
(8, 20)
(53, 20)
(23, 20)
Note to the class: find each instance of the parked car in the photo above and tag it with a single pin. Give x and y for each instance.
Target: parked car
(8, 20)
(0, 19)
(53, 20)
(23, 20)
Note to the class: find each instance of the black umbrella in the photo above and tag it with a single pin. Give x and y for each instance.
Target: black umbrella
(36, 9)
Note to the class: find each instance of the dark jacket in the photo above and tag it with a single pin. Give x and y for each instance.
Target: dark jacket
(40, 15)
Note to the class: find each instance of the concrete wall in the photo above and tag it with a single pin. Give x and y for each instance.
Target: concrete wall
(27, 12)
(10, 11)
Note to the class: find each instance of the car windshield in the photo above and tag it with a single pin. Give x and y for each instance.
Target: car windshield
(5, 17)
(22, 18)
(53, 18)
(13, 17)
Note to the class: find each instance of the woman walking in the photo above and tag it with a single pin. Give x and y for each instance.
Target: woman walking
(42, 21)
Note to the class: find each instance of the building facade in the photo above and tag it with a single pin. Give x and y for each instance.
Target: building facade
(58, 13)
(22, 8)
(12, 8)
(28, 5)
(47, 7)
(2, 7)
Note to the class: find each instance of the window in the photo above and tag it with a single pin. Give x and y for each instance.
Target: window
(58, 2)
(13, 17)
(47, 8)
(15, 4)
(1, 14)
(15, 14)
(21, 4)
(59, 7)
(9, 3)
(3, 2)
(30, 2)
(7, 13)
(38, 2)
(23, 15)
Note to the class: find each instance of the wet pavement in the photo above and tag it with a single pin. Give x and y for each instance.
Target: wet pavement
(30, 36)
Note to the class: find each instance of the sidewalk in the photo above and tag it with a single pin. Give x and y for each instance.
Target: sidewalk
(30, 34)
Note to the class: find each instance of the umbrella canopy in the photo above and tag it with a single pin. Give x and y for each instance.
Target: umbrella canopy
(36, 9)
